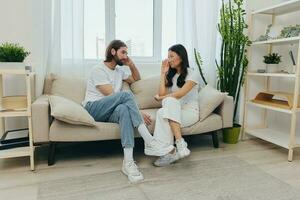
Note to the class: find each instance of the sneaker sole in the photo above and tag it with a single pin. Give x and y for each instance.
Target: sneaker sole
(130, 180)
(151, 153)
(186, 154)
(164, 165)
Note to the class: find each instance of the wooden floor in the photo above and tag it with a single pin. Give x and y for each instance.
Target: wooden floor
(16, 180)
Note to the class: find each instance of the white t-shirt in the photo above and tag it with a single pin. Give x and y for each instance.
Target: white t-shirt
(102, 75)
(191, 98)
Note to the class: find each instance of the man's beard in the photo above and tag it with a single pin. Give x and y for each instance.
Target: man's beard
(118, 61)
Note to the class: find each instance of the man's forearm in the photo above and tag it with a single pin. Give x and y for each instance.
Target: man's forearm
(135, 72)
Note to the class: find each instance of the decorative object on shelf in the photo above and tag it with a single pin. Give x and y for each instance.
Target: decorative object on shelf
(290, 31)
(292, 70)
(272, 60)
(199, 64)
(276, 99)
(265, 36)
(261, 71)
(273, 32)
(233, 63)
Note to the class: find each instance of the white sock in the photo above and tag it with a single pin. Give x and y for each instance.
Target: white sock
(145, 133)
(128, 154)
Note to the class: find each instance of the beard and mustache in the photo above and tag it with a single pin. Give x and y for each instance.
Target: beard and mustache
(118, 61)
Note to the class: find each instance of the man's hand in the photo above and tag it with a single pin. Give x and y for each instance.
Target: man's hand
(147, 119)
(128, 62)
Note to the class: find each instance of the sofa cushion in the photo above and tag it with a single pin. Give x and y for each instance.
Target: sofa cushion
(209, 99)
(66, 86)
(68, 111)
(65, 132)
(144, 92)
(212, 122)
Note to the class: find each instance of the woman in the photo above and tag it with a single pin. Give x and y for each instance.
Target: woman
(178, 92)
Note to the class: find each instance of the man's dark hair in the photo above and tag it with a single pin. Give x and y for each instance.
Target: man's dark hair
(116, 45)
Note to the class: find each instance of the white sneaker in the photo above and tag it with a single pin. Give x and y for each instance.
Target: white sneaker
(167, 159)
(130, 169)
(182, 149)
(157, 148)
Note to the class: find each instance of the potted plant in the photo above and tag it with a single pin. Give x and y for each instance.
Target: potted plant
(272, 60)
(12, 56)
(232, 65)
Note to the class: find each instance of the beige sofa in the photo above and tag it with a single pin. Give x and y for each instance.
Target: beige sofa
(47, 129)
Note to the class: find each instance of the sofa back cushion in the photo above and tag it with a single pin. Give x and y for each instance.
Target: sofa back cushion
(209, 99)
(70, 88)
(144, 91)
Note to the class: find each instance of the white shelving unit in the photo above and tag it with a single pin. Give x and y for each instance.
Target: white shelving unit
(288, 139)
(17, 106)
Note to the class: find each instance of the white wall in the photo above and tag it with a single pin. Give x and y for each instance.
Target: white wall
(276, 120)
(17, 26)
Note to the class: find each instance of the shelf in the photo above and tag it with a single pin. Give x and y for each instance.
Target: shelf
(288, 111)
(14, 114)
(280, 9)
(276, 137)
(290, 40)
(272, 74)
(13, 106)
(15, 103)
(15, 152)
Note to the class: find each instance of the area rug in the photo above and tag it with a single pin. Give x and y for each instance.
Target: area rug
(226, 178)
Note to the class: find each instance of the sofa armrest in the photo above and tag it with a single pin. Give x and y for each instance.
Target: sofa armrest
(40, 111)
(225, 110)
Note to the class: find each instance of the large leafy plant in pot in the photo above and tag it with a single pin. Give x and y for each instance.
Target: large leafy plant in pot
(232, 64)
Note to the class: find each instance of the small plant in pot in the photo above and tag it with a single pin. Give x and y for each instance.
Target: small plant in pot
(272, 60)
(12, 55)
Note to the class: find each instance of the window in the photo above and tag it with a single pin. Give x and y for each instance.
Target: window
(148, 27)
(134, 25)
(94, 29)
(168, 26)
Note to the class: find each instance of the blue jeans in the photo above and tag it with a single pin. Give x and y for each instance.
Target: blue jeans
(118, 108)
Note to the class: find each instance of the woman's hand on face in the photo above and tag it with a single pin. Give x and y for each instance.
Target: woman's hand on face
(165, 66)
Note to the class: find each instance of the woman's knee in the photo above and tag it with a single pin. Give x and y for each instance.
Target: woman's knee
(160, 112)
(170, 101)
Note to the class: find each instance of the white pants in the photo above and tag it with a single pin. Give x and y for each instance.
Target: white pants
(185, 115)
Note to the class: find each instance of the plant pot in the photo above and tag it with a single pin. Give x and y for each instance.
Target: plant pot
(272, 68)
(12, 65)
(231, 135)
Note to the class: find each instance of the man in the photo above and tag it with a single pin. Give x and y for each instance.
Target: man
(105, 102)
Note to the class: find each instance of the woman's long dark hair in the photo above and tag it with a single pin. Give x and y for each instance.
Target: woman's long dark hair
(182, 53)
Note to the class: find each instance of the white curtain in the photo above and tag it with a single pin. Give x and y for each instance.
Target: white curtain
(64, 38)
(197, 28)
(64, 35)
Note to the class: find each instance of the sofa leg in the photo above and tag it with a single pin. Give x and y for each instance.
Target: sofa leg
(215, 139)
(51, 155)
